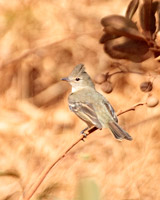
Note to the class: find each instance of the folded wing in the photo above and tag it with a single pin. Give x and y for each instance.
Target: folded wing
(86, 112)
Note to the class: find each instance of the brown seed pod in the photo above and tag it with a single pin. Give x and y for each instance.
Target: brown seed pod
(152, 101)
(100, 78)
(146, 86)
(107, 87)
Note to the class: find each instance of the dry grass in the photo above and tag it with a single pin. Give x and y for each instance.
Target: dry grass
(41, 41)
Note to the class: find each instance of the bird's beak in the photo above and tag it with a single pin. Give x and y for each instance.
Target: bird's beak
(65, 79)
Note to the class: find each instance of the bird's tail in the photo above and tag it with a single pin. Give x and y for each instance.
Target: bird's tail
(118, 132)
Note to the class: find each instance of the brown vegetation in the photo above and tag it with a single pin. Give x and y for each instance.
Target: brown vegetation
(41, 41)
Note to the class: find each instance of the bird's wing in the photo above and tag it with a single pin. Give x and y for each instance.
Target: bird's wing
(86, 112)
(110, 109)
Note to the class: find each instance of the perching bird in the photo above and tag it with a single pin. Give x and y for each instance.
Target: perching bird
(91, 106)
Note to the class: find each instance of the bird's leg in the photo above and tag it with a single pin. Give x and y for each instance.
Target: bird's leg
(83, 132)
(90, 130)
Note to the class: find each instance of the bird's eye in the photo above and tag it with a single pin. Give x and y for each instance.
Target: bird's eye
(77, 79)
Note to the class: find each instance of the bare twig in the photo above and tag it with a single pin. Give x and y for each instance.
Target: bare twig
(125, 72)
(81, 138)
(131, 108)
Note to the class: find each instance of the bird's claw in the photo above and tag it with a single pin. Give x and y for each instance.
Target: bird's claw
(84, 134)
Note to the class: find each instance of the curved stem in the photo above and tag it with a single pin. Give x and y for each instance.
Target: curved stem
(35, 186)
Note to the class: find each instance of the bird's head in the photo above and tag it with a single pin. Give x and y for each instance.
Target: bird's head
(79, 78)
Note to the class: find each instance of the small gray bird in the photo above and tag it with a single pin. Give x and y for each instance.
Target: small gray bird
(90, 106)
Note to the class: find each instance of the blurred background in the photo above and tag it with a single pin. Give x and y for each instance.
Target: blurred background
(41, 42)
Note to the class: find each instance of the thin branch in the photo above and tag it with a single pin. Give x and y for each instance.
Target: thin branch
(34, 188)
(119, 65)
(131, 108)
(125, 72)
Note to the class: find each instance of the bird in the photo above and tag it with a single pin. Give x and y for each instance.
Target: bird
(91, 106)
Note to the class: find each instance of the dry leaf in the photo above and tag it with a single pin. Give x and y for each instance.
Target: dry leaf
(132, 7)
(147, 18)
(120, 26)
(124, 48)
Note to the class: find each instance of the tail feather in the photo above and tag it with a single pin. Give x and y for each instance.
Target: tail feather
(118, 132)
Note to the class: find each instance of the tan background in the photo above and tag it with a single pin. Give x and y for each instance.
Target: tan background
(40, 42)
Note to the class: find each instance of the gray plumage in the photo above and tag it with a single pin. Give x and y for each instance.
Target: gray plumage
(91, 106)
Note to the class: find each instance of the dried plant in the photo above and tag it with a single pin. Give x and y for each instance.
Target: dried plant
(40, 42)
(123, 39)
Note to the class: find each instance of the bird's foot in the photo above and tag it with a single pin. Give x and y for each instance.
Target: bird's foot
(83, 133)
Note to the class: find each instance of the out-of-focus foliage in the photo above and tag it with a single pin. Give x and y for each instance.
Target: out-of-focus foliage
(41, 42)
(87, 189)
(123, 39)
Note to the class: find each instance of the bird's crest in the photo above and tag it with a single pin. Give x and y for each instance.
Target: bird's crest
(78, 70)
